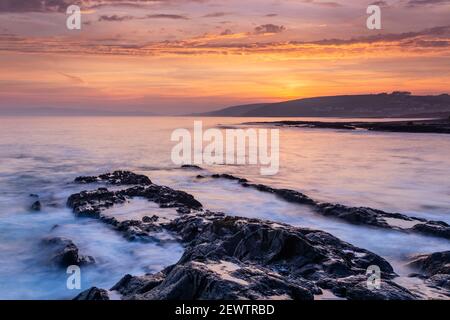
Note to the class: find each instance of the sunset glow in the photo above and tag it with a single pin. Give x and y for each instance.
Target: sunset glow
(177, 57)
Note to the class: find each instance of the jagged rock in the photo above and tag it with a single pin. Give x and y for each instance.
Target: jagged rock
(93, 293)
(91, 203)
(65, 252)
(117, 178)
(229, 177)
(435, 269)
(354, 215)
(356, 288)
(164, 196)
(198, 280)
(148, 219)
(240, 258)
(431, 264)
(434, 228)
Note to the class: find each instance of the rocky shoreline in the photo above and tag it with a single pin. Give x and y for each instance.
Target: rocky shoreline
(239, 258)
(411, 126)
(354, 215)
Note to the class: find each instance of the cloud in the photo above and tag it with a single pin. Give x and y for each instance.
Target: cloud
(330, 4)
(17, 6)
(72, 78)
(269, 28)
(216, 14)
(416, 3)
(35, 5)
(380, 3)
(116, 18)
(429, 41)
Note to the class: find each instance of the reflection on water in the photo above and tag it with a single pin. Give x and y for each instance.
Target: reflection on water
(400, 172)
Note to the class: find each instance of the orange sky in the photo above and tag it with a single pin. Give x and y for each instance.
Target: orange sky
(176, 57)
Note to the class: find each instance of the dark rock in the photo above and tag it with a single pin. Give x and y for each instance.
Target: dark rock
(354, 215)
(419, 126)
(228, 177)
(93, 294)
(191, 166)
(431, 264)
(356, 288)
(65, 252)
(36, 206)
(91, 203)
(117, 178)
(435, 269)
(434, 228)
(164, 196)
(148, 219)
(239, 258)
(199, 176)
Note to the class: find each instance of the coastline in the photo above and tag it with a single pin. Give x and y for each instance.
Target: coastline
(441, 126)
(232, 257)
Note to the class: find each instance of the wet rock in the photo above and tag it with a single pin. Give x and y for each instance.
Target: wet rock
(356, 288)
(434, 228)
(353, 215)
(164, 196)
(191, 166)
(431, 264)
(117, 178)
(229, 177)
(93, 294)
(91, 203)
(65, 252)
(435, 268)
(36, 206)
(148, 219)
(240, 258)
(198, 280)
(130, 285)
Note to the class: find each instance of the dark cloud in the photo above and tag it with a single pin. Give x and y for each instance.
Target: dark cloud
(35, 5)
(116, 18)
(226, 32)
(166, 16)
(441, 31)
(216, 14)
(415, 3)
(269, 28)
(380, 3)
(16, 6)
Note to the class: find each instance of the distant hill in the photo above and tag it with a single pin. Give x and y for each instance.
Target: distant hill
(396, 104)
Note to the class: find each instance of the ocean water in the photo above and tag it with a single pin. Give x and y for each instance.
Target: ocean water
(396, 172)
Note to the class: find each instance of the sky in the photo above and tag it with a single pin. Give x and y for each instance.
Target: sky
(184, 56)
